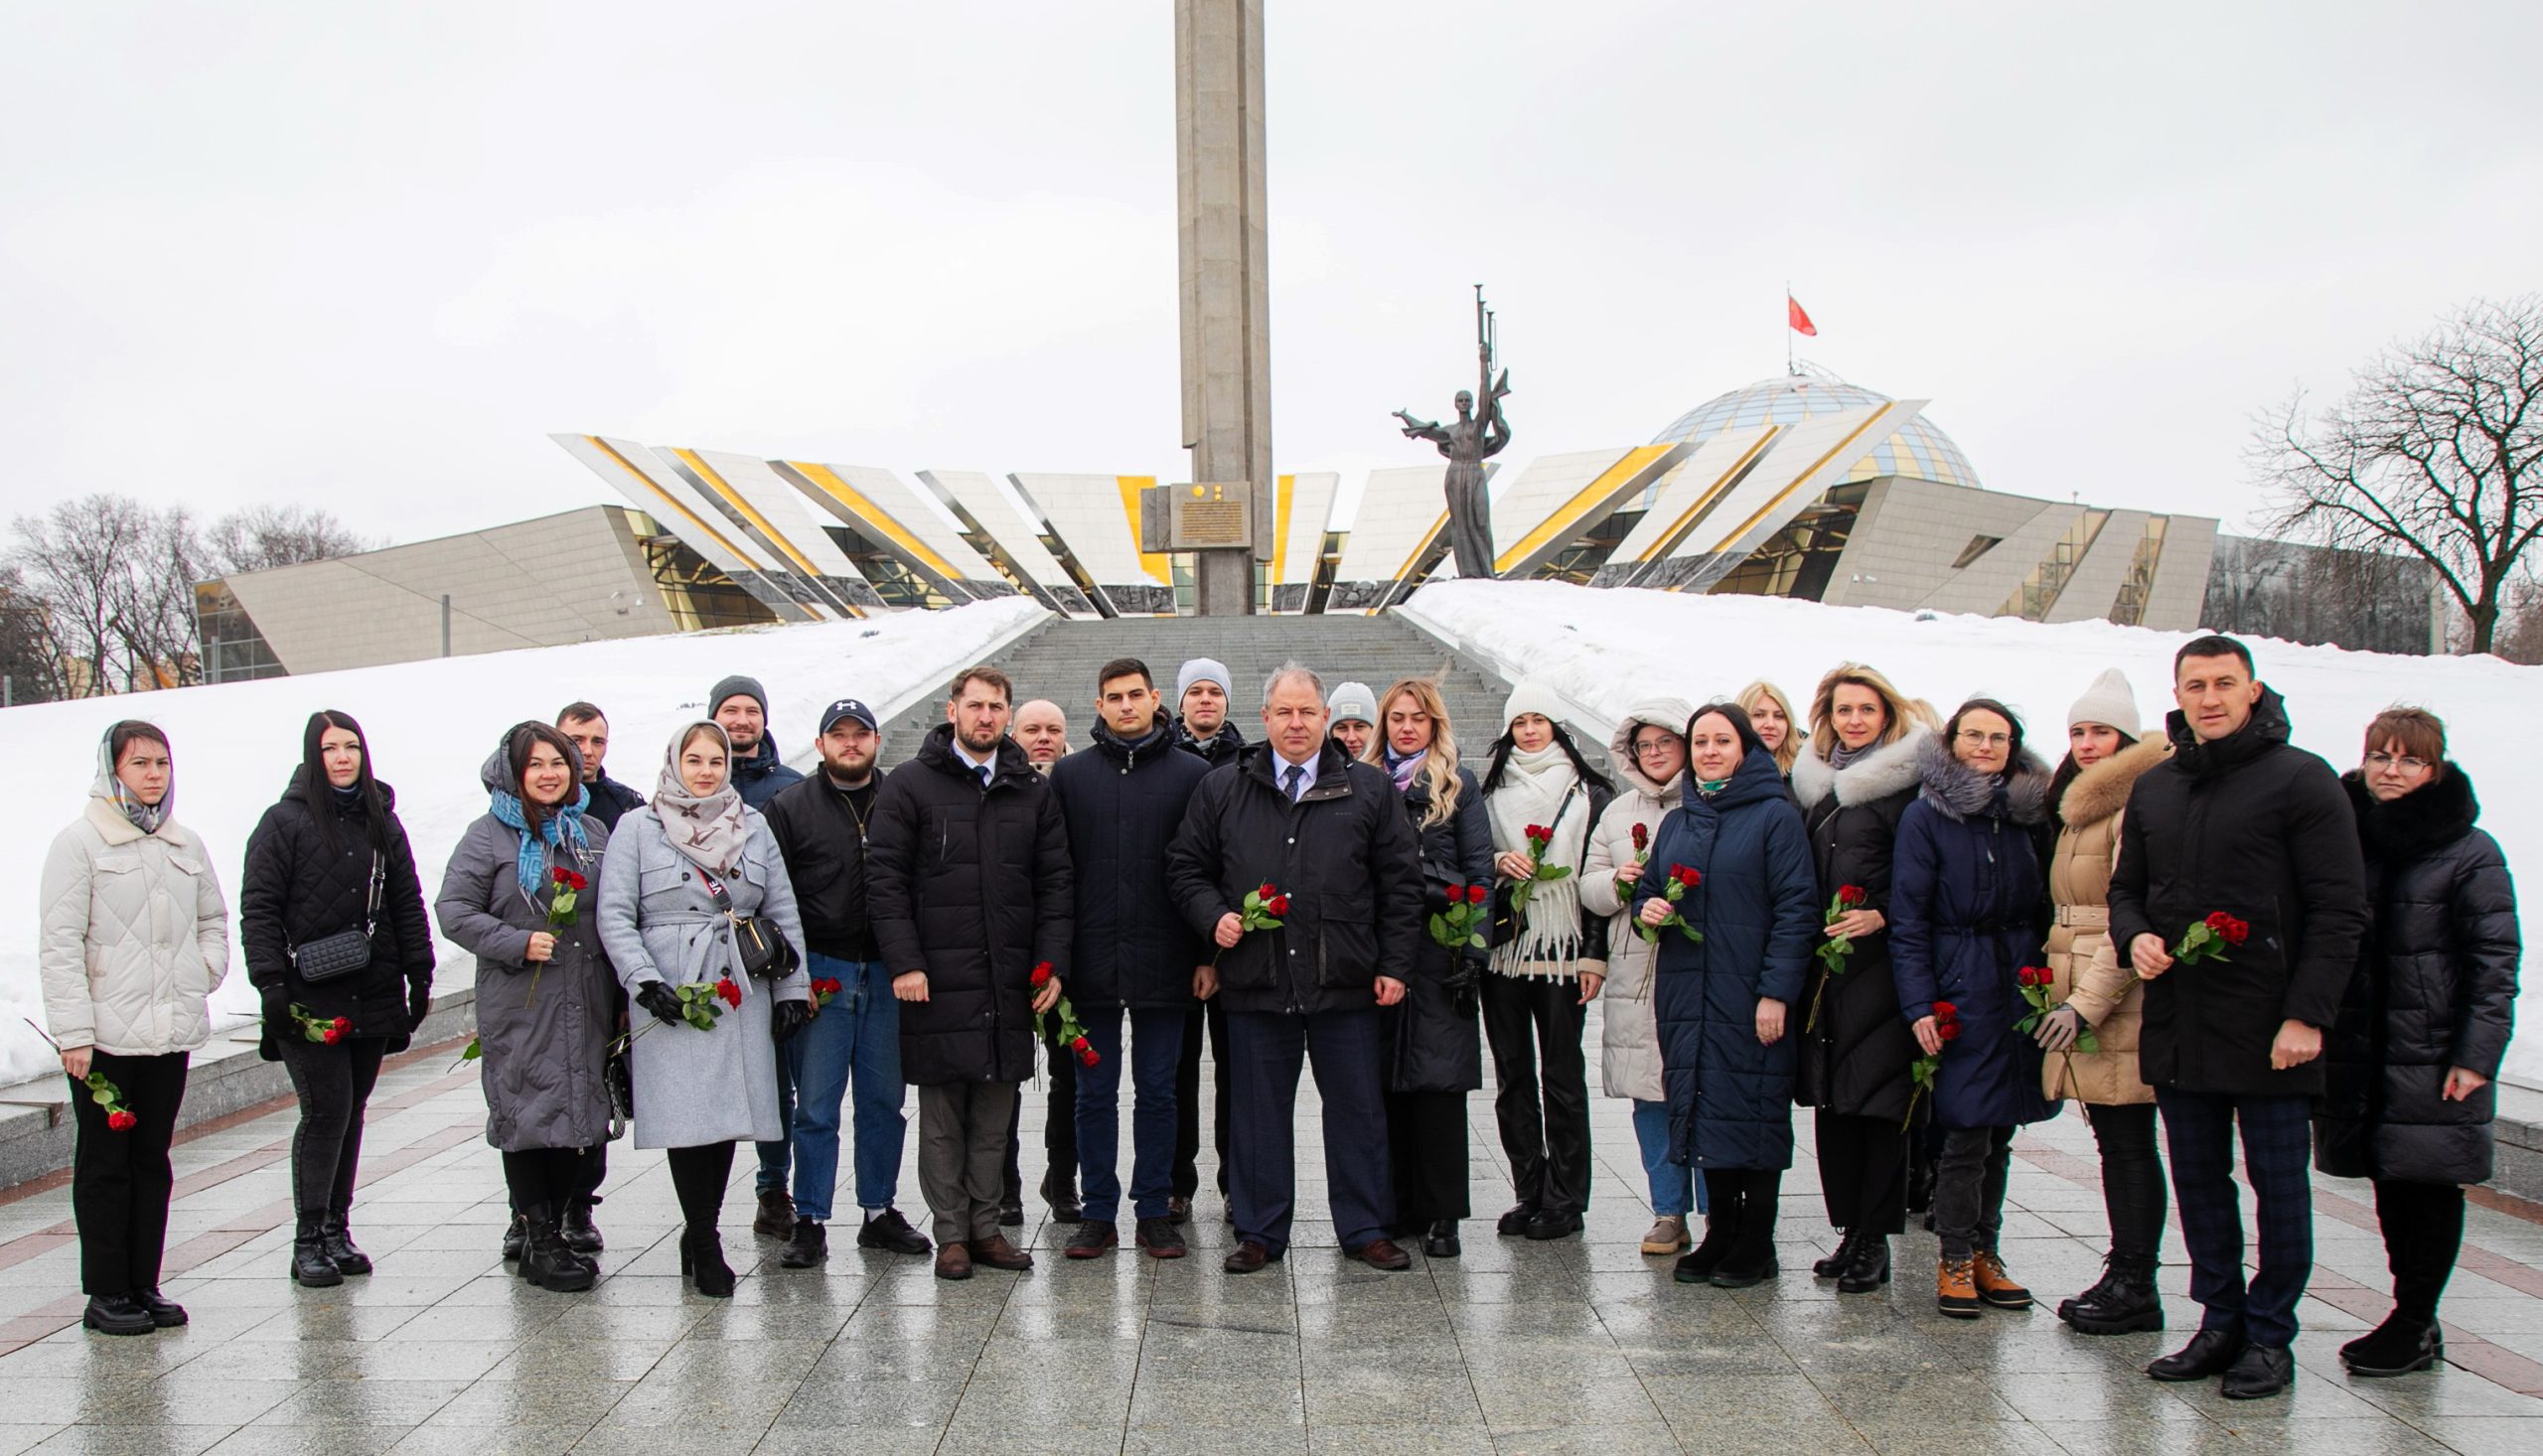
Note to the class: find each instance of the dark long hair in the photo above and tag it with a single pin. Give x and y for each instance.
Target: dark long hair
(1738, 717)
(315, 787)
(1501, 749)
(516, 746)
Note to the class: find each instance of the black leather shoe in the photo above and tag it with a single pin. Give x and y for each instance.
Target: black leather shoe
(338, 1241)
(2264, 1371)
(581, 1234)
(1179, 1209)
(1835, 1263)
(1741, 1273)
(118, 1314)
(890, 1232)
(515, 1238)
(166, 1313)
(2396, 1346)
(776, 1216)
(1441, 1241)
(2208, 1354)
(1010, 1216)
(1383, 1253)
(1514, 1224)
(1868, 1266)
(1249, 1258)
(310, 1266)
(1059, 1190)
(807, 1248)
(1549, 1225)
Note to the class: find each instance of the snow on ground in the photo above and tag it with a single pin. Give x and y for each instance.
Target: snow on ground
(1604, 649)
(431, 725)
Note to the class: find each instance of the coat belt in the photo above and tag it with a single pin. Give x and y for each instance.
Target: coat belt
(2084, 917)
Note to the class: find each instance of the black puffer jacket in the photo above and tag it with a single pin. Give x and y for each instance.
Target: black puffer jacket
(821, 829)
(1345, 855)
(970, 884)
(303, 883)
(2435, 989)
(1855, 1061)
(1123, 803)
(1431, 1038)
(2258, 828)
(611, 799)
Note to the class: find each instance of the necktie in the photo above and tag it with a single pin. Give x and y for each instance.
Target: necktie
(1297, 773)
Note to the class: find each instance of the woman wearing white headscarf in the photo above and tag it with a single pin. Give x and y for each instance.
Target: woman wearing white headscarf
(698, 1091)
(1548, 966)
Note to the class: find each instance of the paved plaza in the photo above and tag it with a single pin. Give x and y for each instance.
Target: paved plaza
(1581, 1345)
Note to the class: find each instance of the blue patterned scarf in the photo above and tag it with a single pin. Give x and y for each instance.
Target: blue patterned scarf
(529, 865)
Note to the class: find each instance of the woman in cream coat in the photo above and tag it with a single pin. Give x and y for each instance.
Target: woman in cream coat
(135, 939)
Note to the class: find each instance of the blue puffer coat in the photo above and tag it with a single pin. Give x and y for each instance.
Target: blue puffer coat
(1968, 909)
(1730, 1098)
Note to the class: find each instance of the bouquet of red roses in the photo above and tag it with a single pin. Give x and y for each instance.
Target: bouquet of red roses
(120, 1114)
(1461, 926)
(316, 1028)
(1834, 948)
(2208, 939)
(1072, 1035)
(1261, 911)
(566, 888)
(1682, 878)
(2038, 984)
(1539, 872)
(826, 988)
(1927, 1068)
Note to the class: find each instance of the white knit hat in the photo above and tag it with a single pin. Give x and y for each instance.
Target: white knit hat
(2110, 701)
(1202, 669)
(1352, 702)
(1530, 696)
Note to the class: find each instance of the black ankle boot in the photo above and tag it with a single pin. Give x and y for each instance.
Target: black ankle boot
(581, 1234)
(2396, 1346)
(515, 1238)
(1869, 1270)
(339, 1243)
(309, 1263)
(1835, 1263)
(702, 1257)
(546, 1261)
(2123, 1303)
(1721, 1231)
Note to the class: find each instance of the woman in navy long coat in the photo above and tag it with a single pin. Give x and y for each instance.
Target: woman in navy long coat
(1721, 1002)
(1969, 909)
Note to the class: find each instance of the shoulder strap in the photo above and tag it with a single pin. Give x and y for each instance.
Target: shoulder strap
(370, 903)
(715, 892)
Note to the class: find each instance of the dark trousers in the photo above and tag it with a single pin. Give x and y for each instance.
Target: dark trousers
(333, 1085)
(1059, 1120)
(1264, 1051)
(544, 1179)
(589, 1166)
(2423, 1226)
(1862, 1172)
(1968, 1188)
(962, 1128)
(1426, 1149)
(2131, 1179)
(120, 1182)
(699, 1176)
(1534, 1024)
(1156, 1051)
(2277, 1150)
(1187, 1098)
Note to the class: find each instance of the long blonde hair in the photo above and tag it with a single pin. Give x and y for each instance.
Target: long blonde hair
(1763, 691)
(1902, 711)
(1440, 770)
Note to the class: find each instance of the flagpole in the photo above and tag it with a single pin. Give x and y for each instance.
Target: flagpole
(1788, 328)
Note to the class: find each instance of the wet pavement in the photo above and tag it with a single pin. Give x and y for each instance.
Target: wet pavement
(1579, 1345)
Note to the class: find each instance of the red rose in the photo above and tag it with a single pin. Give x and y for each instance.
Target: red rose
(1642, 836)
(120, 1120)
(334, 1034)
(1084, 1053)
(1041, 976)
(560, 875)
(731, 993)
(344, 1023)
(2217, 920)
(1687, 875)
(577, 882)
(1538, 831)
(1266, 892)
(1946, 1011)
(1277, 905)
(1949, 1030)
(1456, 894)
(2235, 932)
(1478, 893)
(1851, 895)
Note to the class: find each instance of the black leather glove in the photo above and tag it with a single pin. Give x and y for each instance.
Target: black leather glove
(419, 1004)
(789, 1018)
(655, 997)
(277, 1009)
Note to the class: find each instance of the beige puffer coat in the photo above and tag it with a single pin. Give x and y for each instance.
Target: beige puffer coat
(2108, 997)
(135, 935)
(1629, 1039)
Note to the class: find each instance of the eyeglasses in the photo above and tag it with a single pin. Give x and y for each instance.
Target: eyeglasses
(1976, 739)
(1653, 747)
(2380, 760)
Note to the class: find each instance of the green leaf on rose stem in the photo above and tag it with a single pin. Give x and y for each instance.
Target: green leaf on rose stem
(2085, 1041)
(1553, 872)
(475, 1049)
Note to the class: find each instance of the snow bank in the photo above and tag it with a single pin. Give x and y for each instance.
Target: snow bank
(431, 725)
(1602, 649)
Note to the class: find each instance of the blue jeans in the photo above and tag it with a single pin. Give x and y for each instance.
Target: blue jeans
(1157, 1050)
(1673, 1185)
(856, 1036)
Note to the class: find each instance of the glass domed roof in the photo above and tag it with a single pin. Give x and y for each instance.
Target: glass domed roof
(1922, 449)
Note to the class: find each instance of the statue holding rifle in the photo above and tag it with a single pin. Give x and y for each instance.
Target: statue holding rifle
(1467, 443)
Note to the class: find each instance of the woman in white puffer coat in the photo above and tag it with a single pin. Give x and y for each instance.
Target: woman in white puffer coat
(135, 940)
(1649, 752)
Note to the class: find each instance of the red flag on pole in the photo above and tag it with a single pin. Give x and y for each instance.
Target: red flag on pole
(1800, 321)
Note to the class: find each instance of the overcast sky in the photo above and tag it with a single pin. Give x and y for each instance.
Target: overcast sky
(366, 256)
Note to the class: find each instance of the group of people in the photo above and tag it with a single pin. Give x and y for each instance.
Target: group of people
(1911, 924)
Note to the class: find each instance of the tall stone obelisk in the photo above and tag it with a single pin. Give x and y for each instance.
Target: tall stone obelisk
(1225, 275)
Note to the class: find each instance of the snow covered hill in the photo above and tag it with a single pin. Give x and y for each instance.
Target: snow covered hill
(431, 725)
(1602, 649)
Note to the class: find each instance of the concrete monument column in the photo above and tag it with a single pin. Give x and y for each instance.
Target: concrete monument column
(1225, 275)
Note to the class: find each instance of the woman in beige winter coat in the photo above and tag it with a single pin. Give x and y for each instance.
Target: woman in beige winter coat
(2088, 798)
(1649, 752)
(135, 940)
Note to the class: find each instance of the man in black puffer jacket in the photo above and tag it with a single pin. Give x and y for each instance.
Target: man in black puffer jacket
(1124, 798)
(969, 892)
(2242, 824)
(1331, 837)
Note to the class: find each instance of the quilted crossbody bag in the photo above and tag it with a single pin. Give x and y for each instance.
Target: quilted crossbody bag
(345, 951)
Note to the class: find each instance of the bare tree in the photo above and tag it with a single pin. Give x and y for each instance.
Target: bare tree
(261, 537)
(29, 656)
(73, 560)
(2438, 453)
(2520, 638)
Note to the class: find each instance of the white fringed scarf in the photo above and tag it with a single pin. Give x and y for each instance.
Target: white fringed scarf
(1531, 792)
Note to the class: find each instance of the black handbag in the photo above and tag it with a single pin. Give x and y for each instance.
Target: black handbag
(1509, 918)
(330, 958)
(765, 953)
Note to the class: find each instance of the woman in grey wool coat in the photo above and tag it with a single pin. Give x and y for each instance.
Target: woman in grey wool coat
(520, 893)
(698, 1093)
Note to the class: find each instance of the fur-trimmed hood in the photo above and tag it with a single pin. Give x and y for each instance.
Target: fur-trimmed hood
(1876, 775)
(2097, 792)
(2428, 818)
(1962, 793)
(1671, 713)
